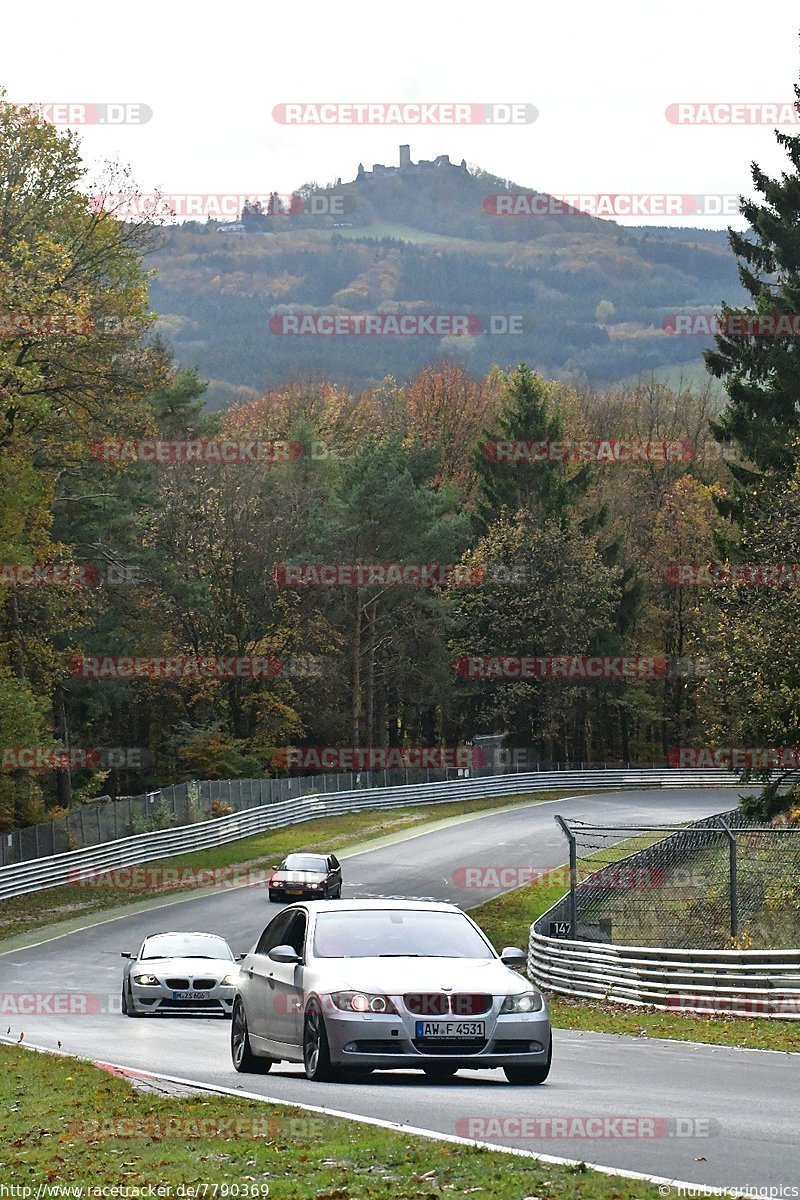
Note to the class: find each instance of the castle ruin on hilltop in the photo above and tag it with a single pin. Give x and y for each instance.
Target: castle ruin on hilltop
(407, 167)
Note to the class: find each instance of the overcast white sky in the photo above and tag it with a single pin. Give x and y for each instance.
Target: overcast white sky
(601, 76)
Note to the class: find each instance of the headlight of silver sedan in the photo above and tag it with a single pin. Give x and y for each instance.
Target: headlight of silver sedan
(523, 1002)
(147, 980)
(230, 980)
(362, 1002)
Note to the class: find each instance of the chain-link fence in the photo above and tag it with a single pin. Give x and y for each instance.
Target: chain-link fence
(720, 883)
(105, 820)
(181, 804)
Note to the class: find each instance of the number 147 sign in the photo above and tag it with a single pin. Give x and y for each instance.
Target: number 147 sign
(559, 929)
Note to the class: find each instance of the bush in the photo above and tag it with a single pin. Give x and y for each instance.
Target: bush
(162, 816)
(770, 803)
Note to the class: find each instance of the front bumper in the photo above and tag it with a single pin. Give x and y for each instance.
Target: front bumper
(385, 1040)
(291, 894)
(154, 1000)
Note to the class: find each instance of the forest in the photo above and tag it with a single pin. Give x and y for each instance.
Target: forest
(495, 552)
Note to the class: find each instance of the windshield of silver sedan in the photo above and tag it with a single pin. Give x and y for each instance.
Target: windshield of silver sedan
(394, 933)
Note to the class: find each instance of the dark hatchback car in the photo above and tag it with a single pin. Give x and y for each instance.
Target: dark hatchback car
(315, 876)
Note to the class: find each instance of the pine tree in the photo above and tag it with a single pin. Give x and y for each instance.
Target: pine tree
(542, 488)
(761, 372)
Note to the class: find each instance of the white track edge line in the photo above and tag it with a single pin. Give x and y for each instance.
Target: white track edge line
(380, 1123)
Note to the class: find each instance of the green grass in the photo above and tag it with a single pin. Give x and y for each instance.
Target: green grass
(67, 1121)
(507, 920)
(717, 1030)
(21, 915)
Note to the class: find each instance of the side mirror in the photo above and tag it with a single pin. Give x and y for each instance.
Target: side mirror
(512, 956)
(284, 954)
(125, 954)
(244, 954)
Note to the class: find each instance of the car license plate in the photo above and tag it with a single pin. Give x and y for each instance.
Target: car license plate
(450, 1029)
(190, 995)
(294, 891)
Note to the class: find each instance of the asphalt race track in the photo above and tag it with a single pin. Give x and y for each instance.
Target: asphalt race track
(746, 1099)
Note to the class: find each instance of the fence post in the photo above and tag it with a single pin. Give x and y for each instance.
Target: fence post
(734, 877)
(573, 875)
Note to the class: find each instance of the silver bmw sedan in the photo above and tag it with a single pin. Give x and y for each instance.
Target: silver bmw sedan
(387, 984)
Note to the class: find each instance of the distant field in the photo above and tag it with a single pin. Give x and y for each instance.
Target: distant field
(405, 233)
(685, 375)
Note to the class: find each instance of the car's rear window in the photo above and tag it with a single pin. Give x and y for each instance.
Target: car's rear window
(398, 933)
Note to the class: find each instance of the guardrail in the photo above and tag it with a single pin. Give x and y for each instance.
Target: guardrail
(17, 879)
(739, 982)
(106, 820)
(735, 982)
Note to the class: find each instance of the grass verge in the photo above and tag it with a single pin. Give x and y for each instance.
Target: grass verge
(70, 1122)
(20, 915)
(507, 920)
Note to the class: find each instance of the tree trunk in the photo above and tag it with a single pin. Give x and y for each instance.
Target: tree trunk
(624, 731)
(356, 701)
(235, 708)
(372, 612)
(16, 656)
(393, 718)
(63, 774)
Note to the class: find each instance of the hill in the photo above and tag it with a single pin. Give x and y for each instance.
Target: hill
(428, 242)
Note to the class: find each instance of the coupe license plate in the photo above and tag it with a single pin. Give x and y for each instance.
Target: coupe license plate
(190, 995)
(451, 1029)
(294, 891)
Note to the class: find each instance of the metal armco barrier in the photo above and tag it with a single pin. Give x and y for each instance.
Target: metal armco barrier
(739, 982)
(17, 879)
